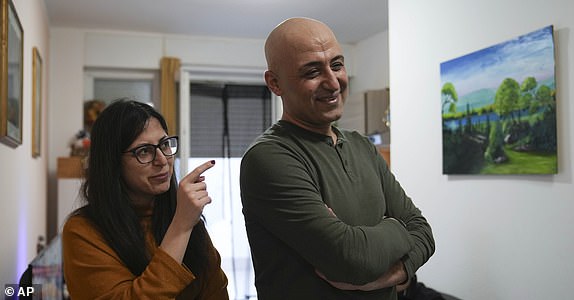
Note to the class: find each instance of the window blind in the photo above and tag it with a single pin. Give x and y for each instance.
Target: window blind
(226, 118)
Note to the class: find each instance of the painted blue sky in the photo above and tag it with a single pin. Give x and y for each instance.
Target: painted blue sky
(531, 54)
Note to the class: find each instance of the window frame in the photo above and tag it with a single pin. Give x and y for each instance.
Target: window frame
(93, 74)
(207, 74)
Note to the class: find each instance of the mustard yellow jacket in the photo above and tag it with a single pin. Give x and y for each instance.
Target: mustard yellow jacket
(92, 270)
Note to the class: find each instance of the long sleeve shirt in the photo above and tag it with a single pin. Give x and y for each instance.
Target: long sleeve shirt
(290, 177)
(93, 270)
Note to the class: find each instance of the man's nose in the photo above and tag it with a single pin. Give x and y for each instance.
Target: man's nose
(331, 81)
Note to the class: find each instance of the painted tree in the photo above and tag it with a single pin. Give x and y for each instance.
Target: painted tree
(543, 135)
(468, 129)
(528, 86)
(449, 97)
(495, 151)
(506, 98)
(527, 90)
(544, 95)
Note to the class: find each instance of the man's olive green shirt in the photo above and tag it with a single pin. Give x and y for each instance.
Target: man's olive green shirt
(310, 205)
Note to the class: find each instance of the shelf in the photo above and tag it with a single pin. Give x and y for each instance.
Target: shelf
(70, 167)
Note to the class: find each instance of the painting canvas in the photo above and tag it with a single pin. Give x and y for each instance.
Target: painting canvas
(11, 81)
(498, 108)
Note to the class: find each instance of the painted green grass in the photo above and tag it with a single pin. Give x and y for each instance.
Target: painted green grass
(524, 163)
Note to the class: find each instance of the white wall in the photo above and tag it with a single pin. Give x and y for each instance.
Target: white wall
(23, 179)
(370, 68)
(497, 237)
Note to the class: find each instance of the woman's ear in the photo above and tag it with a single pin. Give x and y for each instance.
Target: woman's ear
(271, 80)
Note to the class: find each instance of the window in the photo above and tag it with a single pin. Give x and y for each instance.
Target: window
(225, 119)
(110, 84)
(211, 127)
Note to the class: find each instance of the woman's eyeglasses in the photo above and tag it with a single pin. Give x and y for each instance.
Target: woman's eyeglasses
(146, 153)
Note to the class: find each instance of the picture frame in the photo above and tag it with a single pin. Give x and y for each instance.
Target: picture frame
(499, 108)
(36, 102)
(11, 75)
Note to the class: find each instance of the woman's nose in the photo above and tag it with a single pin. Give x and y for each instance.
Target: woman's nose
(160, 158)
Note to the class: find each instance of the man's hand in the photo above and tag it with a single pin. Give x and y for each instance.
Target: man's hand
(395, 276)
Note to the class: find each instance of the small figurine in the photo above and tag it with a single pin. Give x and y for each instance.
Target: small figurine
(80, 144)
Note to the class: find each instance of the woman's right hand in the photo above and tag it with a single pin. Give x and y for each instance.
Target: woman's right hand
(192, 197)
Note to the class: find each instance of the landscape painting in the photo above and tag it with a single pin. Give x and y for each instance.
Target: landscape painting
(499, 108)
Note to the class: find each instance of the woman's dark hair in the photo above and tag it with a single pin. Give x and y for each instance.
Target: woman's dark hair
(108, 206)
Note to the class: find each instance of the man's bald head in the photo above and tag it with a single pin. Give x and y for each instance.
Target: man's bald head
(295, 34)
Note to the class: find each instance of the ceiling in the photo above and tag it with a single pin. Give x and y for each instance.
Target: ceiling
(352, 21)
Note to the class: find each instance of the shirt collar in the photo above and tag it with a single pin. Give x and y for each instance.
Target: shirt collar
(313, 135)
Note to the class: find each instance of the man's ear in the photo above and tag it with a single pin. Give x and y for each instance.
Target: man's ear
(272, 82)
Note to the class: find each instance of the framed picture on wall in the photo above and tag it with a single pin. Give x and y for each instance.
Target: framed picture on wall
(36, 102)
(499, 108)
(11, 76)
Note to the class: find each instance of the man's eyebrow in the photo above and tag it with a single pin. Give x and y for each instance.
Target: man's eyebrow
(338, 57)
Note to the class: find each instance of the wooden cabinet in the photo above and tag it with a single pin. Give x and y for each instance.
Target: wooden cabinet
(70, 177)
(386, 153)
(376, 109)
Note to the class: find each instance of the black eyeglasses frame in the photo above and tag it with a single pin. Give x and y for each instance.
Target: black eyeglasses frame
(134, 150)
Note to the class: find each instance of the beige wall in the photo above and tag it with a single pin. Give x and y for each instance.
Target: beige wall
(23, 179)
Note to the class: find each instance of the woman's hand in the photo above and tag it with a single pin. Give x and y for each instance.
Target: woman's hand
(192, 197)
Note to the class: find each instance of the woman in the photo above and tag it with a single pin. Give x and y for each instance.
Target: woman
(140, 234)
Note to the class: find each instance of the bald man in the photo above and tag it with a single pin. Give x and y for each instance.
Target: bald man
(325, 217)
